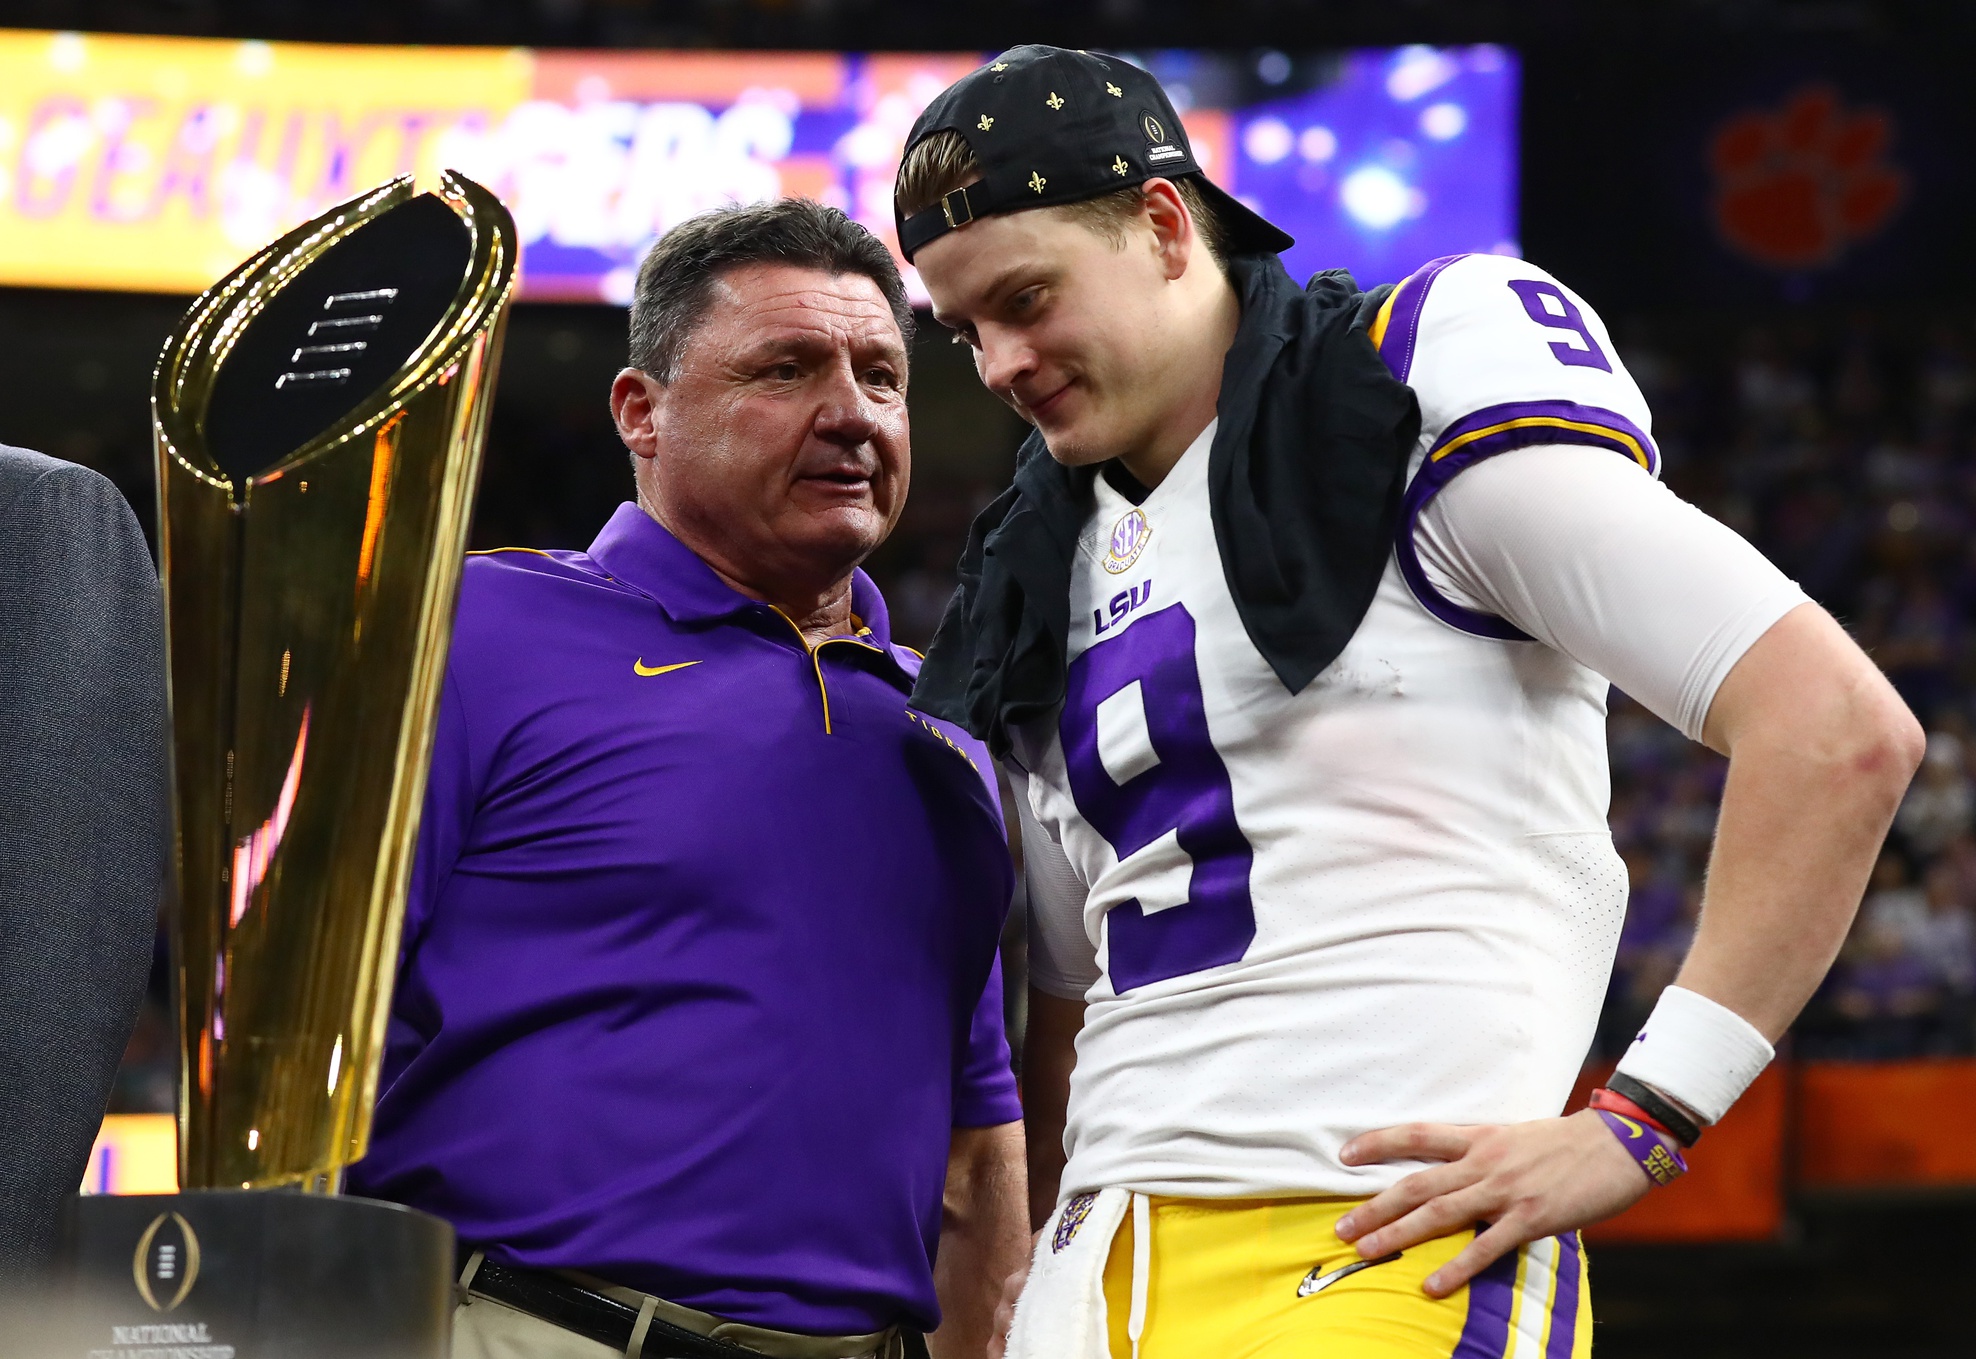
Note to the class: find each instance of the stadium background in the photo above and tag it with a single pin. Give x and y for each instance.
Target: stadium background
(1767, 203)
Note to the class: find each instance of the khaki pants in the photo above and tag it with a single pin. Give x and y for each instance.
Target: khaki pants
(486, 1329)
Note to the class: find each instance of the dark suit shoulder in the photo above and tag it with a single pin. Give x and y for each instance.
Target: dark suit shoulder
(22, 467)
(64, 488)
(24, 464)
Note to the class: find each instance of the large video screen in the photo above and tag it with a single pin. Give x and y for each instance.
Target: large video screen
(158, 164)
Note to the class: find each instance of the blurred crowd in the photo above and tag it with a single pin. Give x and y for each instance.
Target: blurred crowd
(1844, 451)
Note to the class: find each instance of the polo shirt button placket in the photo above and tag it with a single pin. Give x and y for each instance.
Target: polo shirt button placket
(816, 663)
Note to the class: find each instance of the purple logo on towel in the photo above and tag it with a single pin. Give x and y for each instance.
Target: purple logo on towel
(1073, 1217)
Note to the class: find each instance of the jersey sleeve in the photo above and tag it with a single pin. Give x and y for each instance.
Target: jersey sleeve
(1595, 559)
(1063, 962)
(1500, 355)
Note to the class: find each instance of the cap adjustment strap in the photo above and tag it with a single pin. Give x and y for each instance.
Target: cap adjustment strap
(965, 212)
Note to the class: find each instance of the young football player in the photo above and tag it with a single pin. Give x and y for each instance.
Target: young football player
(1294, 633)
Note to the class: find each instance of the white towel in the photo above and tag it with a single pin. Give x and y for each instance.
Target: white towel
(1061, 1313)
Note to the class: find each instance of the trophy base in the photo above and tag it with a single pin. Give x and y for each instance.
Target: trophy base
(251, 1274)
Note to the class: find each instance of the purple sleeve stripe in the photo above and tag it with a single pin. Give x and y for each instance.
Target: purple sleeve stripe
(1517, 424)
(1402, 332)
(1483, 434)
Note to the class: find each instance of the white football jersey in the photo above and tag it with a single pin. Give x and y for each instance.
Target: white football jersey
(1390, 897)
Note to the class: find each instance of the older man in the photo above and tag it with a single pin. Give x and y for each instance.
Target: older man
(698, 1009)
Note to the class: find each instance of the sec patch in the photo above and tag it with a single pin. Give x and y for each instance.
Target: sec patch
(1128, 539)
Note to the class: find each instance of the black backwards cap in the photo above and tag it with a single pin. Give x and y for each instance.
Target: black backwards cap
(1052, 126)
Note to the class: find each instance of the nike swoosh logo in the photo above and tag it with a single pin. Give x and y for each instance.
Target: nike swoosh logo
(638, 667)
(1317, 1283)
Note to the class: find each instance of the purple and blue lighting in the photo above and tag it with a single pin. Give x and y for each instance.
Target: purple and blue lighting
(1382, 160)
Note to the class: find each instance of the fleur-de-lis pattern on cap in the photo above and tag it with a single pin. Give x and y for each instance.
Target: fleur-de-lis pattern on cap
(1015, 111)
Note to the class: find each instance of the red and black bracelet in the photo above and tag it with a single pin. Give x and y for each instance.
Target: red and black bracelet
(1650, 1129)
(1613, 1102)
(1658, 1109)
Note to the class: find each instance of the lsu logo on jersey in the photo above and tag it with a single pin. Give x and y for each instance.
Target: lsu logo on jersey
(1122, 603)
(1129, 538)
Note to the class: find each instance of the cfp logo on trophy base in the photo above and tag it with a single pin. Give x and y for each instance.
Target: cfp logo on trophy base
(166, 1262)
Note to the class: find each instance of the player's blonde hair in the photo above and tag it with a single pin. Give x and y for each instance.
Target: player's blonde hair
(944, 162)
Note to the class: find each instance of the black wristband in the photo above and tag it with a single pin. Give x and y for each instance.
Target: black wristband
(1686, 1131)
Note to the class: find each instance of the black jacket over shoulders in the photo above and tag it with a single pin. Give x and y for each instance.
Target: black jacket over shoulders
(82, 825)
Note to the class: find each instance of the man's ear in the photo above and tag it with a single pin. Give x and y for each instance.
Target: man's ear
(635, 398)
(1174, 240)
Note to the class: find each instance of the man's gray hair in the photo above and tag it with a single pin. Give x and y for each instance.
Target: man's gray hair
(676, 279)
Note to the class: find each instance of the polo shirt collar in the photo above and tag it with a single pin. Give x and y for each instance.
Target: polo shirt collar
(640, 551)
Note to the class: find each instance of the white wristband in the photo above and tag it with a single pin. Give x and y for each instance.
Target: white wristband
(1697, 1052)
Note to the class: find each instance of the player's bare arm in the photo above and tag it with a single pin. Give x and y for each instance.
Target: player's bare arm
(1049, 1050)
(1820, 750)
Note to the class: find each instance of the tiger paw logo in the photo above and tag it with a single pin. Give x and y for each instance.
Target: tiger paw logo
(1795, 187)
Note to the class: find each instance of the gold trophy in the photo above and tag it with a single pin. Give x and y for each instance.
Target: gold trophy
(319, 416)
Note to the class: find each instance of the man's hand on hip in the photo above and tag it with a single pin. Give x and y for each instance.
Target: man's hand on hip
(1526, 1180)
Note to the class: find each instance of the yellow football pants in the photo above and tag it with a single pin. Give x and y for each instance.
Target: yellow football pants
(1223, 1277)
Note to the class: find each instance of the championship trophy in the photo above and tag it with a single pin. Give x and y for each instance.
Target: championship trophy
(319, 417)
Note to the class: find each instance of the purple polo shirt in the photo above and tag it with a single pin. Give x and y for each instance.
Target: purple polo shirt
(693, 989)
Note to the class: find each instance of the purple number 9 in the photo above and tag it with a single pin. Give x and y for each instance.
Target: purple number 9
(1185, 791)
(1546, 304)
